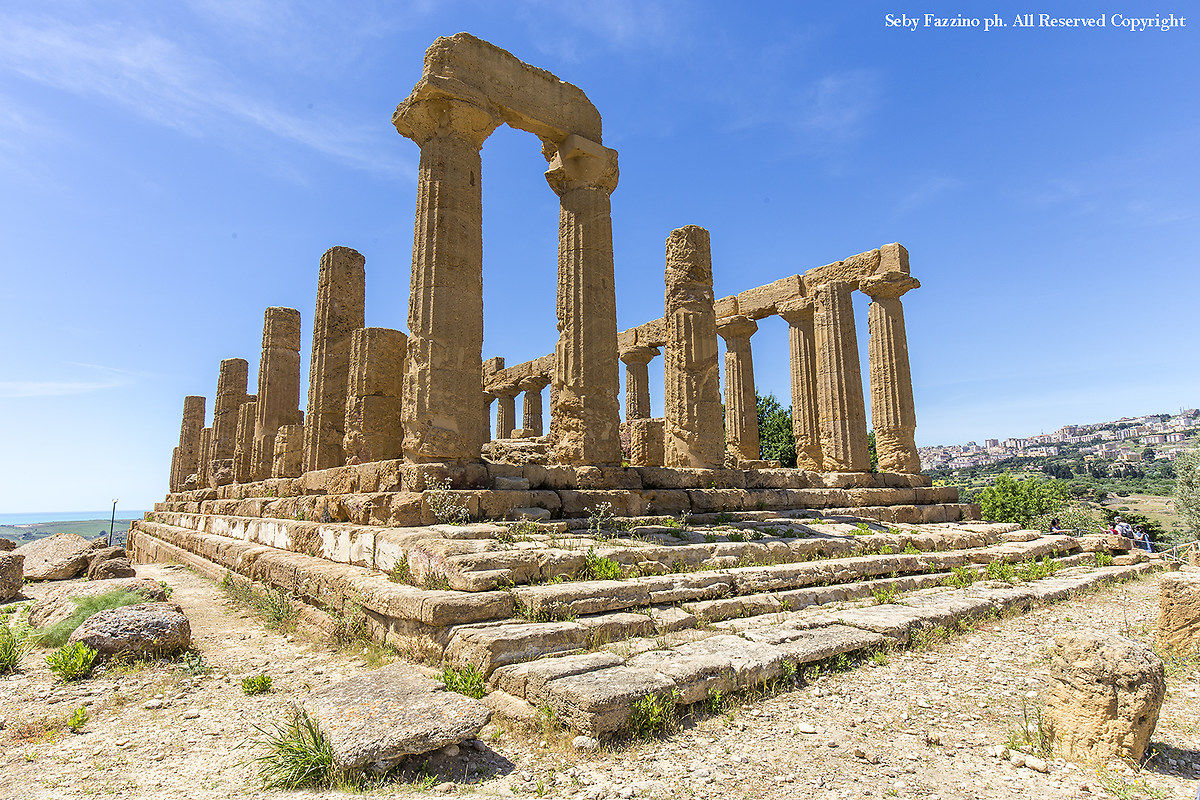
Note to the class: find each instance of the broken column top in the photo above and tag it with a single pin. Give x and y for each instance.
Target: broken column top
(281, 328)
(689, 258)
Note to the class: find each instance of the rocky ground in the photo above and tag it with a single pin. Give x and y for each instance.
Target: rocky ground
(920, 725)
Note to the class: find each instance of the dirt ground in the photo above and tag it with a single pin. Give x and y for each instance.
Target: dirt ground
(919, 726)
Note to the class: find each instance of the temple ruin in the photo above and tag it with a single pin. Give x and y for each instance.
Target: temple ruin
(410, 489)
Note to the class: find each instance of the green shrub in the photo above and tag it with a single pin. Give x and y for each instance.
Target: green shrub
(884, 594)
(1030, 570)
(599, 568)
(1000, 571)
(257, 684)
(468, 681)
(737, 536)
(1102, 558)
(652, 716)
(72, 662)
(15, 644)
(1019, 501)
(79, 717)
(296, 755)
(167, 590)
(910, 550)
(57, 634)
(961, 577)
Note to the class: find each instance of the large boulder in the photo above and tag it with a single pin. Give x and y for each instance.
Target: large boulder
(1104, 696)
(12, 575)
(1179, 614)
(104, 553)
(7, 544)
(374, 721)
(55, 558)
(57, 604)
(146, 630)
(111, 568)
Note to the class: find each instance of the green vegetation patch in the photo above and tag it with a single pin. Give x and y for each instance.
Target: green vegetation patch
(57, 634)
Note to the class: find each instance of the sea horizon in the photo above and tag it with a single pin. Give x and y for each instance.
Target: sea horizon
(32, 517)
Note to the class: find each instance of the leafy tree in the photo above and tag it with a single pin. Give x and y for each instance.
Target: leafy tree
(1187, 489)
(871, 451)
(1019, 501)
(776, 442)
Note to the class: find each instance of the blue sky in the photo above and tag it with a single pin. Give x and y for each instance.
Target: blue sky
(169, 169)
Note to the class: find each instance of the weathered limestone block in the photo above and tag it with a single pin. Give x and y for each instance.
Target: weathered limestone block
(146, 630)
(243, 452)
(55, 558)
(288, 461)
(506, 409)
(806, 425)
(637, 381)
(893, 413)
(341, 293)
(189, 439)
(1103, 698)
(646, 442)
(443, 379)
(111, 568)
(278, 384)
(693, 432)
(231, 393)
(12, 575)
(59, 603)
(842, 409)
(374, 403)
(1179, 614)
(531, 421)
(741, 409)
(585, 414)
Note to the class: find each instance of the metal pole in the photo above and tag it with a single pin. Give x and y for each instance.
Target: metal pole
(112, 522)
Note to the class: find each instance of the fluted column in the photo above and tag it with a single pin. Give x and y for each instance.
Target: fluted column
(244, 448)
(506, 410)
(741, 407)
(231, 393)
(444, 375)
(488, 399)
(341, 307)
(585, 416)
(842, 409)
(205, 450)
(373, 396)
(531, 421)
(637, 381)
(806, 428)
(278, 385)
(189, 440)
(893, 413)
(692, 428)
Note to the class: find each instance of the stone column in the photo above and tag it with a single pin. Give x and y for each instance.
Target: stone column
(288, 459)
(806, 427)
(374, 402)
(488, 399)
(341, 291)
(506, 410)
(244, 447)
(692, 429)
(531, 421)
(585, 413)
(231, 393)
(443, 379)
(893, 413)
(637, 381)
(278, 385)
(189, 438)
(205, 450)
(646, 442)
(842, 410)
(741, 406)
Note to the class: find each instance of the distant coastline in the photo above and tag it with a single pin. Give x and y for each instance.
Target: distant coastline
(68, 516)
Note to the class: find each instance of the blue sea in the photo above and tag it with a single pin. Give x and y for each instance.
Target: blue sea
(67, 516)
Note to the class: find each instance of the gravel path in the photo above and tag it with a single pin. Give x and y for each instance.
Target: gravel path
(918, 726)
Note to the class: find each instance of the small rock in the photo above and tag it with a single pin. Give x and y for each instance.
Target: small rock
(153, 704)
(805, 727)
(450, 750)
(860, 753)
(157, 757)
(1036, 764)
(1017, 759)
(444, 788)
(585, 743)
(191, 713)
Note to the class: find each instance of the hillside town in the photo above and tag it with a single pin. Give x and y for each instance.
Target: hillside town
(1129, 440)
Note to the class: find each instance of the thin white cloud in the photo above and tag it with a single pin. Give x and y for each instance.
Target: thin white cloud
(158, 79)
(108, 378)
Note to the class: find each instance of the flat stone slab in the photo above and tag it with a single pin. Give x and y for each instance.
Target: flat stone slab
(56, 604)
(376, 720)
(55, 558)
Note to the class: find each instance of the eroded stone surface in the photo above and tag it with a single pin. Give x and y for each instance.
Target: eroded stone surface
(58, 557)
(146, 630)
(11, 575)
(1179, 614)
(56, 604)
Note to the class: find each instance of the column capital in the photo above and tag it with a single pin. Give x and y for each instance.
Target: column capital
(796, 310)
(639, 355)
(579, 163)
(505, 390)
(430, 112)
(534, 383)
(888, 284)
(739, 326)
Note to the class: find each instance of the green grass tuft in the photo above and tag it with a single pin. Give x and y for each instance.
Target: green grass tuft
(468, 681)
(72, 662)
(296, 755)
(79, 717)
(57, 634)
(599, 568)
(15, 644)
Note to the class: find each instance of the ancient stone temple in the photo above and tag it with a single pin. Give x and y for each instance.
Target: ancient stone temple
(421, 460)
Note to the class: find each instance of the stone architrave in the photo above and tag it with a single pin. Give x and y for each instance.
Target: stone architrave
(244, 447)
(443, 379)
(842, 409)
(506, 409)
(806, 427)
(189, 439)
(341, 292)
(741, 406)
(1103, 698)
(531, 417)
(278, 385)
(231, 393)
(692, 429)
(374, 401)
(637, 381)
(646, 442)
(893, 413)
(288, 460)
(585, 417)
